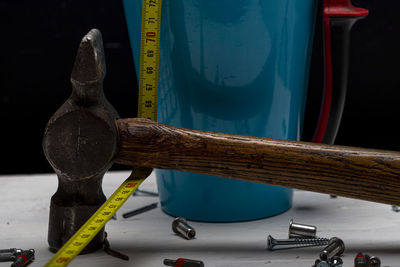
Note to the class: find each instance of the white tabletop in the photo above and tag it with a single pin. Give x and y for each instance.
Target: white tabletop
(148, 239)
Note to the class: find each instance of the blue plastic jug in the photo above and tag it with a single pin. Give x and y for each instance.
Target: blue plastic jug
(232, 66)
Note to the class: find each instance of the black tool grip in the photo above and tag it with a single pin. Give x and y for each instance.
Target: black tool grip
(340, 40)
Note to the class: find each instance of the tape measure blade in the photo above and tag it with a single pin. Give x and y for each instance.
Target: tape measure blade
(149, 59)
(97, 221)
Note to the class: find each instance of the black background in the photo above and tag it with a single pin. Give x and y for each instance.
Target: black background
(39, 39)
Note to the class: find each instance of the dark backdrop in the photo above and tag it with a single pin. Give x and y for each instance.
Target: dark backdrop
(38, 42)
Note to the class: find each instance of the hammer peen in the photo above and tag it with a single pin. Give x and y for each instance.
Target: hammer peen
(84, 137)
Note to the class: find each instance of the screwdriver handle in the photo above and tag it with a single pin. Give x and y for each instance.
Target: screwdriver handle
(359, 173)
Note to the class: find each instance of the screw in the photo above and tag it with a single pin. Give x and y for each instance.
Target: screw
(180, 227)
(301, 230)
(184, 263)
(295, 242)
(335, 247)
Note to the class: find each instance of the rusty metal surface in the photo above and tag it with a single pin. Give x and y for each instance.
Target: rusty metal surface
(80, 142)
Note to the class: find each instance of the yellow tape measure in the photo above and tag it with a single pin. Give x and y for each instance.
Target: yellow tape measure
(149, 58)
(148, 94)
(95, 223)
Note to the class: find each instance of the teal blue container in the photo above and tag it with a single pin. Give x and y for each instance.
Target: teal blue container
(232, 66)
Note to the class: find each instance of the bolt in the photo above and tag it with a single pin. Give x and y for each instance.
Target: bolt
(301, 230)
(180, 227)
(184, 263)
(335, 247)
(295, 242)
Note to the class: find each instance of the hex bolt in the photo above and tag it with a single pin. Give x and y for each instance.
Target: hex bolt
(273, 243)
(182, 262)
(335, 247)
(374, 261)
(301, 230)
(182, 228)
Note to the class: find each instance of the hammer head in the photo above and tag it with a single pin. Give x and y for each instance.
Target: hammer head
(80, 142)
(80, 139)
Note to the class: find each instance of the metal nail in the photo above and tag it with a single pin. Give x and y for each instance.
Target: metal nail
(140, 210)
(146, 192)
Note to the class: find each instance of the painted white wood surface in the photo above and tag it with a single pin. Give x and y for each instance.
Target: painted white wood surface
(148, 239)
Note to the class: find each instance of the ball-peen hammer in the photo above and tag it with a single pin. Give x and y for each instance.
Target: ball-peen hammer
(84, 137)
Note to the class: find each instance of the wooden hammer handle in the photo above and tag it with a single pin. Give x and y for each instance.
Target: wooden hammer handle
(366, 174)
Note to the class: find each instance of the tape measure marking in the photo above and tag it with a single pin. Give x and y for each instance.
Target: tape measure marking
(95, 223)
(149, 58)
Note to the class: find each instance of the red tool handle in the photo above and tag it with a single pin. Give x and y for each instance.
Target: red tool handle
(338, 19)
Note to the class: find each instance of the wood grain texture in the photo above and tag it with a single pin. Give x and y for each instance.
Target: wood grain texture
(366, 174)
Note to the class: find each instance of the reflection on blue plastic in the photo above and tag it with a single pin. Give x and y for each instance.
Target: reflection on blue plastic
(233, 66)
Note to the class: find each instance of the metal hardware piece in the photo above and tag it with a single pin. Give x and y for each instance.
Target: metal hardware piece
(24, 258)
(336, 261)
(335, 247)
(395, 208)
(301, 230)
(18, 256)
(9, 254)
(145, 192)
(272, 243)
(319, 263)
(374, 261)
(181, 227)
(140, 210)
(333, 262)
(182, 262)
(361, 260)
